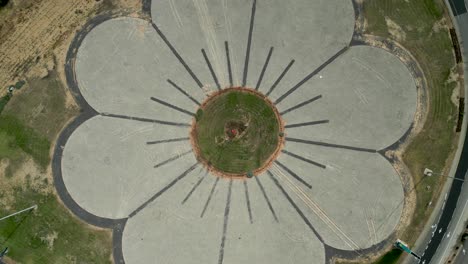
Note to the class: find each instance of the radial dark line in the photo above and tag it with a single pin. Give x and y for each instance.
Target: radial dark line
(172, 183)
(280, 77)
(228, 58)
(267, 199)
(183, 92)
(171, 159)
(167, 140)
(297, 177)
(172, 106)
(195, 186)
(209, 197)
(307, 123)
(247, 199)
(303, 159)
(301, 105)
(225, 224)
(176, 53)
(264, 68)
(211, 69)
(312, 74)
(147, 120)
(301, 214)
(318, 143)
(249, 43)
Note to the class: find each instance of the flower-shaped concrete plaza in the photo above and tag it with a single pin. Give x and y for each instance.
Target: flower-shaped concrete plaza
(130, 160)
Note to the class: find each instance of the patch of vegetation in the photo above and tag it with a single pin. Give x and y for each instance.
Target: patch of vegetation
(49, 234)
(19, 84)
(31, 120)
(391, 257)
(198, 115)
(21, 137)
(430, 44)
(41, 106)
(4, 101)
(3, 3)
(237, 132)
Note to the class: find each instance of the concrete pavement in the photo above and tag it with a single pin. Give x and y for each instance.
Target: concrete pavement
(132, 159)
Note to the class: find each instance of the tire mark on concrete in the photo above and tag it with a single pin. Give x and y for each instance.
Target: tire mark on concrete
(290, 200)
(319, 212)
(176, 14)
(297, 177)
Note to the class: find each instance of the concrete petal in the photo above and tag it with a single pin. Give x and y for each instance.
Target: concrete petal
(355, 201)
(108, 168)
(122, 63)
(307, 31)
(368, 96)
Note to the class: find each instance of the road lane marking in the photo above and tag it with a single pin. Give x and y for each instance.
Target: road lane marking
(446, 246)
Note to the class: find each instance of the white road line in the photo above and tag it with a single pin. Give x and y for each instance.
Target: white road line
(446, 246)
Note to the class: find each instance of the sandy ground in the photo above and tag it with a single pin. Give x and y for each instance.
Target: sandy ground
(32, 33)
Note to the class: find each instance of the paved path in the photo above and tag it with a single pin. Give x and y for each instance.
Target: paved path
(127, 162)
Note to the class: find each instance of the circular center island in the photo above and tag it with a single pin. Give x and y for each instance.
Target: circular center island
(237, 132)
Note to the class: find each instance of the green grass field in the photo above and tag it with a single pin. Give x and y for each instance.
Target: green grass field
(19, 137)
(50, 234)
(391, 257)
(31, 119)
(4, 100)
(429, 42)
(252, 146)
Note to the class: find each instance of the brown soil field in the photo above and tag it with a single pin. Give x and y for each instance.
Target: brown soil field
(34, 32)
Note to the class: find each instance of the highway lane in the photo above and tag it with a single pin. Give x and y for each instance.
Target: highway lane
(458, 6)
(450, 206)
(455, 228)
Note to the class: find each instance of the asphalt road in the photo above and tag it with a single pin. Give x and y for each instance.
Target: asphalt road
(458, 7)
(453, 214)
(451, 205)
